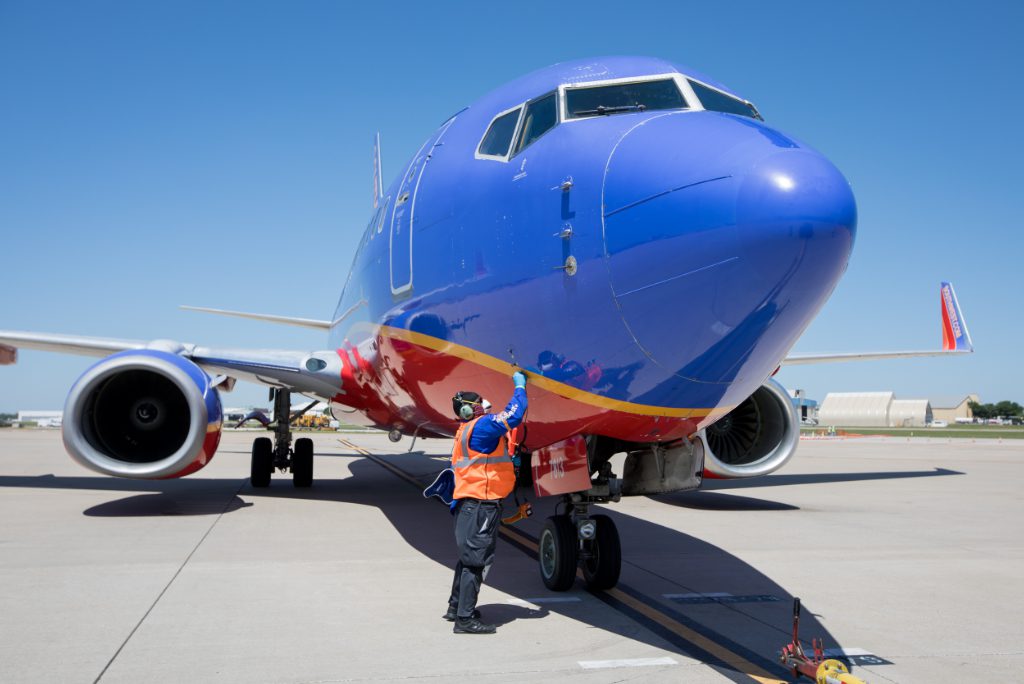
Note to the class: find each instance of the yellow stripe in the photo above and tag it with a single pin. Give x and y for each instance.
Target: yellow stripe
(354, 447)
(737, 662)
(553, 386)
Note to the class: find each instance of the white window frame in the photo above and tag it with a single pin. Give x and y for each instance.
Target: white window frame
(515, 133)
(719, 90)
(680, 80)
(512, 151)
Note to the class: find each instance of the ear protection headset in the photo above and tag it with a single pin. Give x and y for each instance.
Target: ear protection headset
(464, 404)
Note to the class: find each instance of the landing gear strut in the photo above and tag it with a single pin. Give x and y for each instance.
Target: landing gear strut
(576, 538)
(278, 454)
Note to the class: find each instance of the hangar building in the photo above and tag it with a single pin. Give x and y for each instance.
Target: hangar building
(873, 409)
(954, 409)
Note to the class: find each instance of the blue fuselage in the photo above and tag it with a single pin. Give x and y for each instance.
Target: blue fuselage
(656, 258)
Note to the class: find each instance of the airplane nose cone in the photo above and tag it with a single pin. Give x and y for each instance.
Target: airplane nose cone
(796, 221)
(723, 238)
(791, 202)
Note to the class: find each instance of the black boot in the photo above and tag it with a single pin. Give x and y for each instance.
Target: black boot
(472, 626)
(453, 614)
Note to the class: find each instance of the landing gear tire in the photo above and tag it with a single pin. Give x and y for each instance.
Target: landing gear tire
(558, 553)
(302, 463)
(262, 464)
(601, 569)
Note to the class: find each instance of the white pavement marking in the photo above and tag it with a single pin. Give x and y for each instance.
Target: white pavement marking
(837, 652)
(630, 662)
(710, 594)
(535, 603)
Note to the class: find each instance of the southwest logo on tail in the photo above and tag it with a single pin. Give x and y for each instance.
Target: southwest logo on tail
(955, 336)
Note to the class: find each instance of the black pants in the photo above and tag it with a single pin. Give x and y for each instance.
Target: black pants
(476, 534)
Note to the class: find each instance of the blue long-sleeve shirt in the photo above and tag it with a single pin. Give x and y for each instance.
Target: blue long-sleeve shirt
(488, 430)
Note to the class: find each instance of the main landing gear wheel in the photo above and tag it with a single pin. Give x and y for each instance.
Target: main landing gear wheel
(557, 551)
(602, 565)
(262, 464)
(268, 456)
(302, 463)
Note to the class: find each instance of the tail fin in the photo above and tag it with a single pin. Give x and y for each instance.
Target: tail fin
(955, 336)
(378, 179)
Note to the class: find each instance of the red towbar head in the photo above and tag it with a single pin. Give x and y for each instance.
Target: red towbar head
(816, 667)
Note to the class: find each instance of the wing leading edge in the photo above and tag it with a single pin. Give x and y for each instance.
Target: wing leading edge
(315, 373)
(956, 338)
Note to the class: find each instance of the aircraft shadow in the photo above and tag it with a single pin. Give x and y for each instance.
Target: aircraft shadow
(658, 560)
(713, 501)
(823, 478)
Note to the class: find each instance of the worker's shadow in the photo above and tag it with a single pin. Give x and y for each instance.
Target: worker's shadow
(753, 621)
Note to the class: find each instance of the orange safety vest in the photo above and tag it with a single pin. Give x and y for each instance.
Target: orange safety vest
(479, 475)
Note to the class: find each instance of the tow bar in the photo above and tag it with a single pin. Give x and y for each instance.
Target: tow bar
(822, 670)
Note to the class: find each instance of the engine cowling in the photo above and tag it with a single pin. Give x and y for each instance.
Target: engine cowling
(756, 438)
(143, 414)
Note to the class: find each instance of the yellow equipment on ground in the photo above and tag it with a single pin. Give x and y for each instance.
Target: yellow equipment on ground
(816, 667)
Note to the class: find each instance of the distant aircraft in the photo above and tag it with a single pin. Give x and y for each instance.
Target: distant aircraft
(630, 233)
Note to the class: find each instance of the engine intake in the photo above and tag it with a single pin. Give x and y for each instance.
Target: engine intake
(144, 414)
(756, 438)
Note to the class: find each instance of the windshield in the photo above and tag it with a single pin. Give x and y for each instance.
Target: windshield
(541, 116)
(717, 101)
(623, 97)
(499, 136)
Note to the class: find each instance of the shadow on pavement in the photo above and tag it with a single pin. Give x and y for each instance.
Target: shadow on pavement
(657, 560)
(713, 501)
(823, 478)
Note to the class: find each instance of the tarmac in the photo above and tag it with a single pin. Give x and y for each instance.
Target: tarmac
(908, 556)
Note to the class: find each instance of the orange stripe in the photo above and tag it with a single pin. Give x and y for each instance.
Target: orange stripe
(553, 386)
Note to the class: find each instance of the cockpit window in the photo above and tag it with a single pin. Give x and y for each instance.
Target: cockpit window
(498, 138)
(540, 117)
(717, 101)
(623, 97)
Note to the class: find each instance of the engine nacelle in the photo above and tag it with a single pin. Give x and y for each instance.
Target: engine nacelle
(143, 414)
(756, 438)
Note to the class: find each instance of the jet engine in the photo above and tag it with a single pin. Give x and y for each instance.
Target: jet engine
(144, 414)
(756, 438)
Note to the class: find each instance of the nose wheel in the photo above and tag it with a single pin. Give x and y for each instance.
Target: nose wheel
(557, 553)
(601, 560)
(279, 454)
(577, 539)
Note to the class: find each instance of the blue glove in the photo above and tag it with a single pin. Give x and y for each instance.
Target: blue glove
(519, 378)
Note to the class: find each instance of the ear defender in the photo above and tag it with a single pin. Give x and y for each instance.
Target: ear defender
(463, 402)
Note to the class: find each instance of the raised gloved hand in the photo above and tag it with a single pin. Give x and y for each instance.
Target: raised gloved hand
(519, 378)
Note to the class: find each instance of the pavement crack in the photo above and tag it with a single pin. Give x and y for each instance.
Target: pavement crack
(227, 505)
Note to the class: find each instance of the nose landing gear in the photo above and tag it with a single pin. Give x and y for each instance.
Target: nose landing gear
(278, 454)
(578, 539)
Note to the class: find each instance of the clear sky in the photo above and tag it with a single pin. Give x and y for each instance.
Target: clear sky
(219, 153)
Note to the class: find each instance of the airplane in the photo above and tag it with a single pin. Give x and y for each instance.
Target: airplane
(631, 234)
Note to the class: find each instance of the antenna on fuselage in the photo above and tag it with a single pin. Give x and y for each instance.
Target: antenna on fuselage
(378, 178)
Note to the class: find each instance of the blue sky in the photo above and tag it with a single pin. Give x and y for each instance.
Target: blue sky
(157, 154)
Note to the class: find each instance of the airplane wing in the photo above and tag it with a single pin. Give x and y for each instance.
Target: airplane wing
(956, 339)
(315, 373)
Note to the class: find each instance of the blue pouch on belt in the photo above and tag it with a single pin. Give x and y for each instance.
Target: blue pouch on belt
(443, 487)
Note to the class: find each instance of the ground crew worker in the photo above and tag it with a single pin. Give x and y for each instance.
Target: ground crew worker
(484, 475)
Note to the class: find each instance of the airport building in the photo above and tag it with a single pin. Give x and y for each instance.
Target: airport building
(40, 418)
(807, 408)
(873, 409)
(954, 409)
